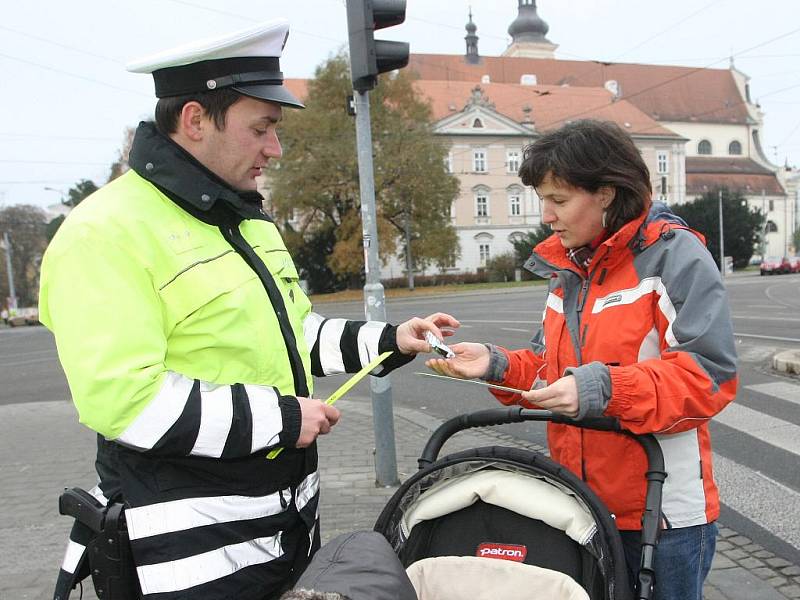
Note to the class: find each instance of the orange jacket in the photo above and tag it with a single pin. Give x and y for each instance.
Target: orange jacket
(646, 331)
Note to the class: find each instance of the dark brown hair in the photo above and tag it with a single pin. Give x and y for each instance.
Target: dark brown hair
(590, 154)
(216, 104)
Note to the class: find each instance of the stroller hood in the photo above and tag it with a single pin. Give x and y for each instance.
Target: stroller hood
(359, 565)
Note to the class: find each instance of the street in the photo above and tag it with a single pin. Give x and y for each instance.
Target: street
(756, 439)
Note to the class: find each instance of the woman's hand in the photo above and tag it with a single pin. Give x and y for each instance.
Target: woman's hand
(411, 334)
(560, 397)
(471, 360)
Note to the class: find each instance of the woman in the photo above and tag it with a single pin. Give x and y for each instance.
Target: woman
(636, 327)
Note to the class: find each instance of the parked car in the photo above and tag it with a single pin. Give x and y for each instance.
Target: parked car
(794, 264)
(774, 265)
(24, 316)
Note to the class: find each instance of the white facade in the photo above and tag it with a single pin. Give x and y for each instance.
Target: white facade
(493, 207)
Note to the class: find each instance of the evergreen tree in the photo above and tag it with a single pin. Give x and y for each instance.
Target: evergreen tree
(741, 224)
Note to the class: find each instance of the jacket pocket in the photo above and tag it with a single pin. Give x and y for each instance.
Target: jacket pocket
(201, 282)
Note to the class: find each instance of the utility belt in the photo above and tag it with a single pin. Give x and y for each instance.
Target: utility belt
(107, 555)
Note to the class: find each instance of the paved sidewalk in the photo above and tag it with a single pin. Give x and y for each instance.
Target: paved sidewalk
(44, 449)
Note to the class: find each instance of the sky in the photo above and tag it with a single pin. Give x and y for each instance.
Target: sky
(66, 99)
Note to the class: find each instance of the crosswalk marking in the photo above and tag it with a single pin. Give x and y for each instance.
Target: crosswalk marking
(767, 502)
(776, 432)
(779, 389)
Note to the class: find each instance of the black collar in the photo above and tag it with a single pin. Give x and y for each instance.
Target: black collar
(178, 174)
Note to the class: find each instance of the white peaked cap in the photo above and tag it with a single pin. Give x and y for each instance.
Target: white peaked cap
(246, 61)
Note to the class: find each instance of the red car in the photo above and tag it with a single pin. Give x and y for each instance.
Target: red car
(774, 265)
(794, 264)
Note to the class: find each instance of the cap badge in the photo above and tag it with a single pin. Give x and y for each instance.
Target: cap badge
(211, 84)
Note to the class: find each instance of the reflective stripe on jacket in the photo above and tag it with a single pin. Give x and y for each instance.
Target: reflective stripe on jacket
(652, 309)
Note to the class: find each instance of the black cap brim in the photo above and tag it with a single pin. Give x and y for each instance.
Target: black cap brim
(271, 93)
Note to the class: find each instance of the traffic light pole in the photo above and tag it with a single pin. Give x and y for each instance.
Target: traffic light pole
(374, 301)
(12, 293)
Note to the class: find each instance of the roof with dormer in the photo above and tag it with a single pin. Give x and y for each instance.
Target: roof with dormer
(665, 93)
(543, 107)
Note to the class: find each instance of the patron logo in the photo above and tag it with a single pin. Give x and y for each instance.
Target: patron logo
(504, 551)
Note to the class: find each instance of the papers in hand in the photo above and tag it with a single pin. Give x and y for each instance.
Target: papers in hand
(493, 386)
(438, 346)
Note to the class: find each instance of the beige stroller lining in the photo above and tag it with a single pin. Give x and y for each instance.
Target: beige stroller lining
(525, 495)
(476, 578)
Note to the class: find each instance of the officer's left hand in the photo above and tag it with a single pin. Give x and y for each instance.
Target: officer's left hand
(560, 397)
(411, 334)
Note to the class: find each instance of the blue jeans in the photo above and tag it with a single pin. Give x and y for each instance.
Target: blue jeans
(683, 559)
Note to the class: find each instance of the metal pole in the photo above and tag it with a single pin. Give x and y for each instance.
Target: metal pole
(785, 226)
(721, 239)
(12, 294)
(766, 221)
(374, 302)
(409, 257)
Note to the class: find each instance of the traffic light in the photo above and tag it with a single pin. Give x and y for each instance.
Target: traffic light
(369, 56)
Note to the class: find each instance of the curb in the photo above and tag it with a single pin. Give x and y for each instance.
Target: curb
(787, 361)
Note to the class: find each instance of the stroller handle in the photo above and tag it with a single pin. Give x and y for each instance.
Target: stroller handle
(504, 416)
(655, 475)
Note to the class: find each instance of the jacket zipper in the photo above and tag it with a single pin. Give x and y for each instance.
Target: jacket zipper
(234, 237)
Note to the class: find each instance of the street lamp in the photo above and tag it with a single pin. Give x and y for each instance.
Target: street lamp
(60, 192)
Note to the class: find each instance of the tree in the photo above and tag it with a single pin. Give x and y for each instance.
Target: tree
(120, 166)
(75, 195)
(741, 224)
(502, 267)
(796, 240)
(523, 246)
(25, 226)
(78, 192)
(318, 174)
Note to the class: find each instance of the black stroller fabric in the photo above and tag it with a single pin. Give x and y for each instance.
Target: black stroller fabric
(598, 565)
(360, 566)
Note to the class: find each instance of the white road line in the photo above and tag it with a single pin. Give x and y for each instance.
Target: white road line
(766, 337)
(770, 504)
(509, 322)
(768, 429)
(515, 329)
(763, 318)
(53, 358)
(779, 389)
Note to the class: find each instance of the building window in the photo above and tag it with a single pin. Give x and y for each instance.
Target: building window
(481, 204)
(771, 227)
(484, 254)
(514, 205)
(453, 210)
(704, 147)
(479, 161)
(771, 205)
(448, 162)
(512, 161)
(735, 148)
(662, 162)
(477, 123)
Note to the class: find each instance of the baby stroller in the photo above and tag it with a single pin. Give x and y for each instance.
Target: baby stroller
(452, 520)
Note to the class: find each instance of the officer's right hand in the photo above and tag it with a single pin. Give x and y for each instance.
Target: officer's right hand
(317, 419)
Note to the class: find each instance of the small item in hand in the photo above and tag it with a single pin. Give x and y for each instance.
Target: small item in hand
(438, 346)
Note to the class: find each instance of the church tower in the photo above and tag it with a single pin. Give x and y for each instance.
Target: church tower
(528, 33)
(471, 38)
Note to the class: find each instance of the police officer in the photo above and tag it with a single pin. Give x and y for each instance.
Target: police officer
(189, 345)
